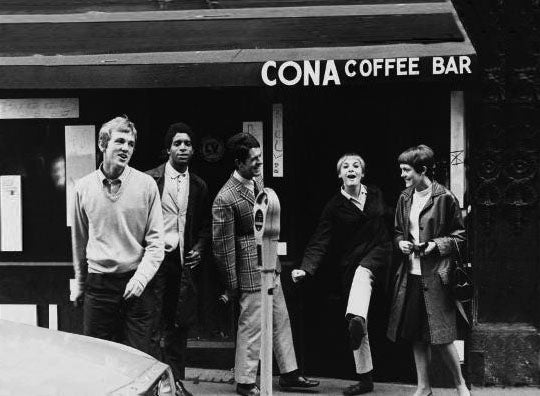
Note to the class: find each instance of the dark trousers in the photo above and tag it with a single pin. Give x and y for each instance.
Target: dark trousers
(107, 315)
(170, 336)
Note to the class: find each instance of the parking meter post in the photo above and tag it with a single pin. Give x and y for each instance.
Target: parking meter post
(267, 212)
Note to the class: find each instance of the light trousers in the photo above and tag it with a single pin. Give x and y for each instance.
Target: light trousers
(248, 339)
(358, 304)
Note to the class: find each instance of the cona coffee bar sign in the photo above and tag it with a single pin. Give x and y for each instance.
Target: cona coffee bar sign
(332, 72)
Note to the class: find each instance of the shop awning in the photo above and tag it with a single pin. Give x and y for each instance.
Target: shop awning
(229, 46)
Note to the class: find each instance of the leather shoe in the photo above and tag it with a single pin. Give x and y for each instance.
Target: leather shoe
(359, 388)
(296, 382)
(357, 331)
(248, 391)
(181, 390)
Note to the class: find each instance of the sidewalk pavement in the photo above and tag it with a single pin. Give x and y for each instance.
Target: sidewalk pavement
(219, 382)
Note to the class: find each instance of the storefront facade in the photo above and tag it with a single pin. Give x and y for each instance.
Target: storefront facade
(241, 67)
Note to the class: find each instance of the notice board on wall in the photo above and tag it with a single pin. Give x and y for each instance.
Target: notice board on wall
(277, 140)
(256, 129)
(10, 213)
(80, 159)
(39, 108)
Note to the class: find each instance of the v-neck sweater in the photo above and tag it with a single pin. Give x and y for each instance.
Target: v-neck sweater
(120, 233)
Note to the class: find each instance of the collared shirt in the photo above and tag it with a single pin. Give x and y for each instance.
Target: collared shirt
(248, 183)
(111, 187)
(174, 204)
(360, 201)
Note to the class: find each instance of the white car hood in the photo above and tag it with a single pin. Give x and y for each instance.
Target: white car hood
(37, 361)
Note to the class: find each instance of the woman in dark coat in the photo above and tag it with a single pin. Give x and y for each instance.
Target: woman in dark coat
(428, 230)
(353, 236)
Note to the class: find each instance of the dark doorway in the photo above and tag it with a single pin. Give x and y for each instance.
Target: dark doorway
(378, 123)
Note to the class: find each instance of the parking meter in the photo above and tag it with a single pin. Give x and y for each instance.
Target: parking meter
(267, 217)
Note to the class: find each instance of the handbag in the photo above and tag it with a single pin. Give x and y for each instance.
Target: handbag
(463, 288)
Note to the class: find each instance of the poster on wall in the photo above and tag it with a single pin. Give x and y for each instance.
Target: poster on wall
(256, 129)
(10, 214)
(39, 108)
(277, 140)
(80, 158)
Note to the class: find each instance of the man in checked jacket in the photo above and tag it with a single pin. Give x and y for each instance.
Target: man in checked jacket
(236, 257)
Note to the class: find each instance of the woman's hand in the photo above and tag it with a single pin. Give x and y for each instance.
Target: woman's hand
(405, 247)
(430, 247)
(298, 275)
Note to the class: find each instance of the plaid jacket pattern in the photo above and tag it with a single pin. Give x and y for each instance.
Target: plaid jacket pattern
(233, 239)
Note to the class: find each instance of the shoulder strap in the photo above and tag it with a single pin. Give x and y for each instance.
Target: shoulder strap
(459, 258)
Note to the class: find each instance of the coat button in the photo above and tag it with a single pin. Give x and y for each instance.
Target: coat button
(425, 289)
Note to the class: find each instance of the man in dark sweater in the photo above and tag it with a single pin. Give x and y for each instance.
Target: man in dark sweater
(186, 213)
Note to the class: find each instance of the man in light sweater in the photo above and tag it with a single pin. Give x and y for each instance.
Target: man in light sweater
(117, 237)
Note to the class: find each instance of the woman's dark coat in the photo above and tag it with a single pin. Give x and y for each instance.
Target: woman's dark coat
(348, 237)
(441, 222)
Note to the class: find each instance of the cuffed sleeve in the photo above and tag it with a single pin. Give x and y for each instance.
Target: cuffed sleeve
(456, 227)
(154, 250)
(79, 239)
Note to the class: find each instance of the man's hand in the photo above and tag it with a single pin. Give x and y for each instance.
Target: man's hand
(134, 288)
(298, 275)
(405, 247)
(228, 296)
(76, 293)
(192, 259)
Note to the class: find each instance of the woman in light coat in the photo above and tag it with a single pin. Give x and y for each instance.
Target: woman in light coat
(428, 230)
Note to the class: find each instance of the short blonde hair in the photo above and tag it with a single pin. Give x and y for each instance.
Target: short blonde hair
(348, 155)
(121, 124)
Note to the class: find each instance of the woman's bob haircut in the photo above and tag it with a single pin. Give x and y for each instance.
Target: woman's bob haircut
(421, 158)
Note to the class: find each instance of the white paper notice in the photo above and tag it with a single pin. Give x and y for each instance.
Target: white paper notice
(80, 159)
(282, 248)
(39, 108)
(256, 129)
(277, 140)
(20, 313)
(10, 214)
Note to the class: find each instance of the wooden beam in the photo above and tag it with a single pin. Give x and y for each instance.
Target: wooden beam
(131, 37)
(34, 285)
(306, 3)
(186, 73)
(70, 6)
(246, 55)
(175, 75)
(108, 6)
(241, 13)
(35, 264)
